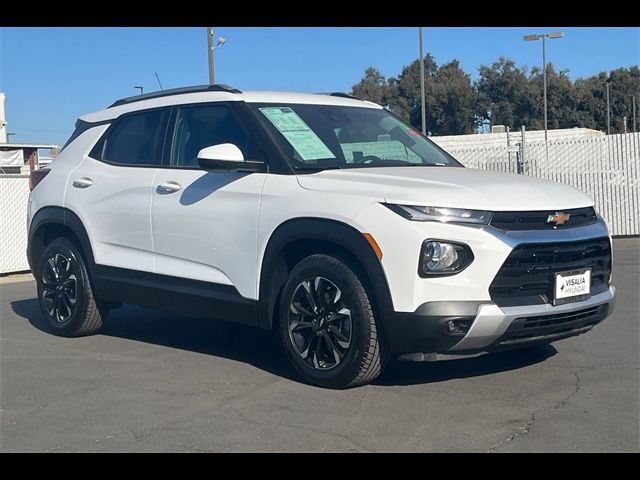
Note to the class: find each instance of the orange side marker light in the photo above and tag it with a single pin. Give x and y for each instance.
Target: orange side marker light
(374, 245)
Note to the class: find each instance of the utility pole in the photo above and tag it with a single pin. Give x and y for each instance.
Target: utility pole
(422, 94)
(212, 77)
(633, 102)
(544, 84)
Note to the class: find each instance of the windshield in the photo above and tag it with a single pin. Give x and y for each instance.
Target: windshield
(317, 137)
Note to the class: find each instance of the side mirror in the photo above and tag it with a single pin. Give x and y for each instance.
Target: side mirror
(226, 157)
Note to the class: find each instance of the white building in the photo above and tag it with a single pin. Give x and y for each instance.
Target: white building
(18, 157)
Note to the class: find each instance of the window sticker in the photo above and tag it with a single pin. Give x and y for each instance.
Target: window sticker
(298, 133)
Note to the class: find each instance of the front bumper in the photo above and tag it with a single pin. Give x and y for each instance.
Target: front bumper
(423, 307)
(493, 328)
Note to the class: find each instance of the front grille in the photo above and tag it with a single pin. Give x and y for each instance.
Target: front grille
(537, 220)
(528, 274)
(541, 326)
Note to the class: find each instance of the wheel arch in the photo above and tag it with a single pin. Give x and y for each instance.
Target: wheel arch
(52, 222)
(297, 238)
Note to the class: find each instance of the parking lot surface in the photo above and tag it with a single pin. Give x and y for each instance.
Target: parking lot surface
(155, 382)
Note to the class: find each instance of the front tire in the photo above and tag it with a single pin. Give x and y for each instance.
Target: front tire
(65, 295)
(327, 324)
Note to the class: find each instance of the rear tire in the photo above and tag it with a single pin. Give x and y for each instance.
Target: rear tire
(65, 295)
(327, 324)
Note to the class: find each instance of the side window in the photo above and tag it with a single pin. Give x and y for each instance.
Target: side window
(135, 140)
(81, 127)
(198, 127)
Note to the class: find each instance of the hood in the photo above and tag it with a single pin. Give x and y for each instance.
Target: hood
(448, 187)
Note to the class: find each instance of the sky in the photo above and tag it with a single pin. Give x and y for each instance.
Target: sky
(50, 76)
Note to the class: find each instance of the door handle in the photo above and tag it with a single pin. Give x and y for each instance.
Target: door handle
(168, 187)
(82, 182)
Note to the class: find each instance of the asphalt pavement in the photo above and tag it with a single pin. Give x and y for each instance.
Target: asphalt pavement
(156, 382)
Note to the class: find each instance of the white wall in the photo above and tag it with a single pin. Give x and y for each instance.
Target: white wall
(14, 195)
(498, 139)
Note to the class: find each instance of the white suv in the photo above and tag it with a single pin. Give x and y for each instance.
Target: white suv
(322, 216)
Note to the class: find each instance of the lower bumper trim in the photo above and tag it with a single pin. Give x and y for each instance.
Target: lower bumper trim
(493, 322)
(552, 337)
(493, 328)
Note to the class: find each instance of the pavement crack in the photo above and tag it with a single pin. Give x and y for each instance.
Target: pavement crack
(565, 400)
(242, 417)
(520, 432)
(529, 425)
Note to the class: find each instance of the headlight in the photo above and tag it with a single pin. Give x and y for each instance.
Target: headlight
(441, 214)
(439, 258)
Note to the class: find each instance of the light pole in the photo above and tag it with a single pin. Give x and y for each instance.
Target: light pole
(141, 89)
(210, 47)
(544, 36)
(423, 107)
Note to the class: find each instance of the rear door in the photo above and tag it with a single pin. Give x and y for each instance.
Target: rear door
(111, 189)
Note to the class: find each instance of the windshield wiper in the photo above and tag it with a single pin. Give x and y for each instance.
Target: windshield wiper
(393, 163)
(310, 168)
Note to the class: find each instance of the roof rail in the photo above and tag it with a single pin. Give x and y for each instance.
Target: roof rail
(218, 87)
(342, 94)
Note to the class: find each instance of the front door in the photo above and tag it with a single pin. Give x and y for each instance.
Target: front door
(205, 223)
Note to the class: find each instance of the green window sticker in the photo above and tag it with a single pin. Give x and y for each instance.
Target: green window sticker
(297, 133)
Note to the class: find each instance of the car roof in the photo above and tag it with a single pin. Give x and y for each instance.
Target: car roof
(227, 94)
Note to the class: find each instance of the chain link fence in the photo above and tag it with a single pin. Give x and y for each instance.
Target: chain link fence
(607, 168)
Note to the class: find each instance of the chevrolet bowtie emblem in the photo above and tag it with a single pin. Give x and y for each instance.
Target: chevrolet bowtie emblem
(559, 218)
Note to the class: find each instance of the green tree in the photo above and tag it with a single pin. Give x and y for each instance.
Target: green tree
(592, 99)
(591, 102)
(405, 90)
(373, 87)
(624, 83)
(450, 97)
(454, 110)
(504, 94)
(562, 100)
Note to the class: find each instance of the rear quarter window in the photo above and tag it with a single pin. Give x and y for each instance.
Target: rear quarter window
(135, 139)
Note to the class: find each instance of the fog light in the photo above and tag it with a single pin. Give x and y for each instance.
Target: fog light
(458, 327)
(443, 258)
(439, 256)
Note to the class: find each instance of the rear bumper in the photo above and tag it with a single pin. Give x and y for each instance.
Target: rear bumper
(492, 328)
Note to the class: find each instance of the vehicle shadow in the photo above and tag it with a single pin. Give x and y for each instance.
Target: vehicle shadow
(263, 349)
(412, 373)
(241, 343)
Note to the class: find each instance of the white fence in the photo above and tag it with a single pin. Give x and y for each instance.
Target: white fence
(14, 193)
(607, 168)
